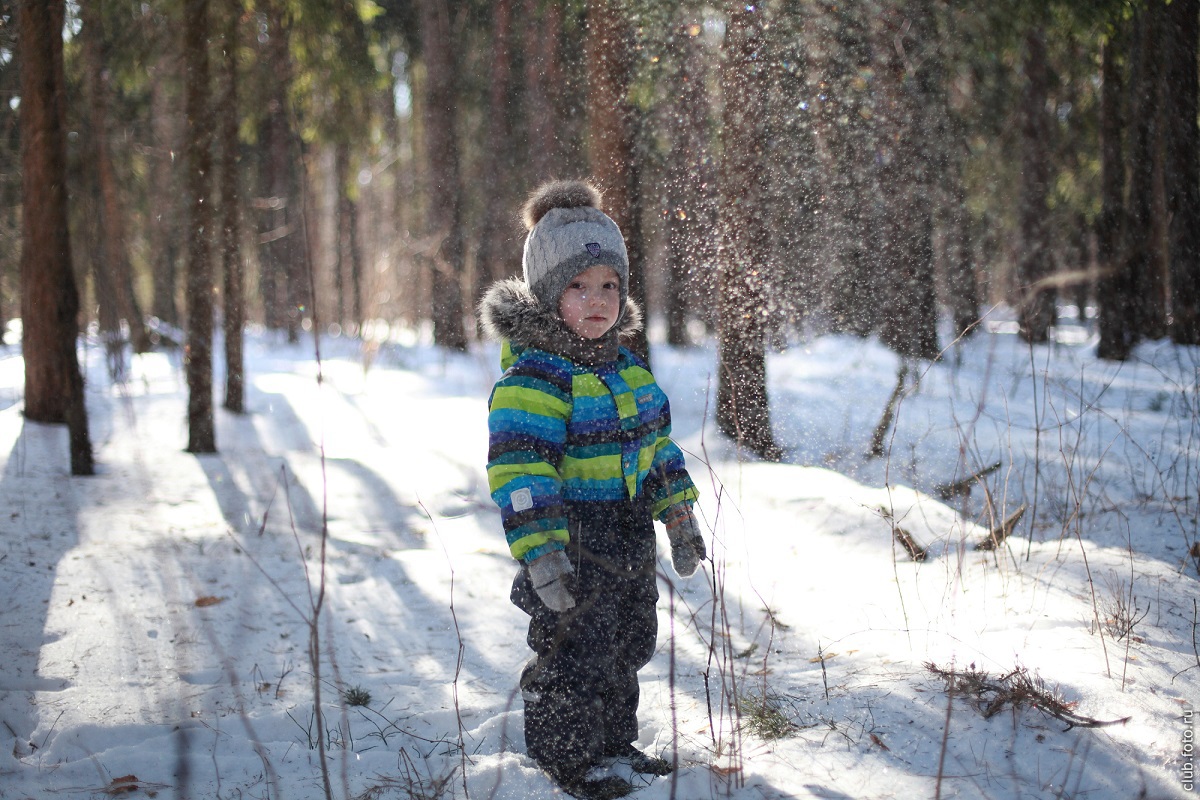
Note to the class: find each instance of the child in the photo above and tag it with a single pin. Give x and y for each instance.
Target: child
(581, 463)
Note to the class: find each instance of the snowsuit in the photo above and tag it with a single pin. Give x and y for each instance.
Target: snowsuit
(580, 458)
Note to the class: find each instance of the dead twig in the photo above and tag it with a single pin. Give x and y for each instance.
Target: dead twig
(998, 534)
(953, 489)
(889, 412)
(1015, 689)
(906, 540)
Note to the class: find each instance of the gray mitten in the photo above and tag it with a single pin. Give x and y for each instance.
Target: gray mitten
(550, 576)
(687, 545)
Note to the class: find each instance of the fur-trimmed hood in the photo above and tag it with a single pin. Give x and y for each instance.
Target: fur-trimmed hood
(509, 311)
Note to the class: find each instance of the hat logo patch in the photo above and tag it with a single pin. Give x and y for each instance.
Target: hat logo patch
(593, 249)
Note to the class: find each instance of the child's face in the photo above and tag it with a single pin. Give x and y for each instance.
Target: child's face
(589, 304)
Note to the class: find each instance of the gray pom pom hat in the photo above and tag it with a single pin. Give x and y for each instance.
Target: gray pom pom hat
(568, 234)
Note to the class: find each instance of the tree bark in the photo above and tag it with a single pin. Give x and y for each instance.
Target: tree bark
(793, 173)
(543, 82)
(348, 263)
(54, 390)
(961, 283)
(1142, 249)
(164, 191)
(114, 256)
(1183, 169)
(499, 251)
(1035, 299)
(282, 246)
(743, 411)
(231, 206)
(911, 70)
(198, 161)
(840, 57)
(690, 213)
(445, 212)
(1113, 289)
(614, 128)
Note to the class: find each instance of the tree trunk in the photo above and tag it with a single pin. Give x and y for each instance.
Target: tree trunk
(1114, 288)
(115, 261)
(912, 73)
(690, 214)
(54, 389)
(198, 163)
(841, 56)
(961, 284)
(231, 206)
(1183, 169)
(1142, 249)
(614, 127)
(164, 191)
(743, 412)
(445, 213)
(499, 251)
(963, 288)
(1035, 301)
(349, 252)
(543, 83)
(284, 284)
(793, 173)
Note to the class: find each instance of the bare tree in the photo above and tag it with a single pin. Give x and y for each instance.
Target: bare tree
(742, 408)
(198, 163)
(49, 299)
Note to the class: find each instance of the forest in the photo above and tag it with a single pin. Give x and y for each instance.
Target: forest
(923, 286)
(794, 167)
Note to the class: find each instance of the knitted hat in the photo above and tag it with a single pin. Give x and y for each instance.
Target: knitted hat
(568, 233)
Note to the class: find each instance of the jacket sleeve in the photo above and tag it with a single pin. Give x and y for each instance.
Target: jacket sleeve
(527, 425)
(668, 482)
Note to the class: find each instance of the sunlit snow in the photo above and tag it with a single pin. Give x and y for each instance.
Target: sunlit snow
(154, 632)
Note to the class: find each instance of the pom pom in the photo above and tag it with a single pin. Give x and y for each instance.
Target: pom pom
(559, 194)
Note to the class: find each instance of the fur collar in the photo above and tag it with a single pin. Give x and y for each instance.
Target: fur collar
(510, 311)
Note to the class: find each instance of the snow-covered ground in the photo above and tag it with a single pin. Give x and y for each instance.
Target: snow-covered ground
(156, 619)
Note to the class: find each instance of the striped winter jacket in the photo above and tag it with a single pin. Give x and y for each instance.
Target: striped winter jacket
(571, 422)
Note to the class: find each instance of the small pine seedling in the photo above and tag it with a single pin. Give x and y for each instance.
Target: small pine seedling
(765, 718)
(356, 696)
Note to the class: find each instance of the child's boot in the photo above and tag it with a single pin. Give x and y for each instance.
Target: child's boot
(584, 788)
(643, 763)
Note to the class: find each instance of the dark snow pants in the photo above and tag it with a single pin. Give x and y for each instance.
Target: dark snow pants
(581, 687)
